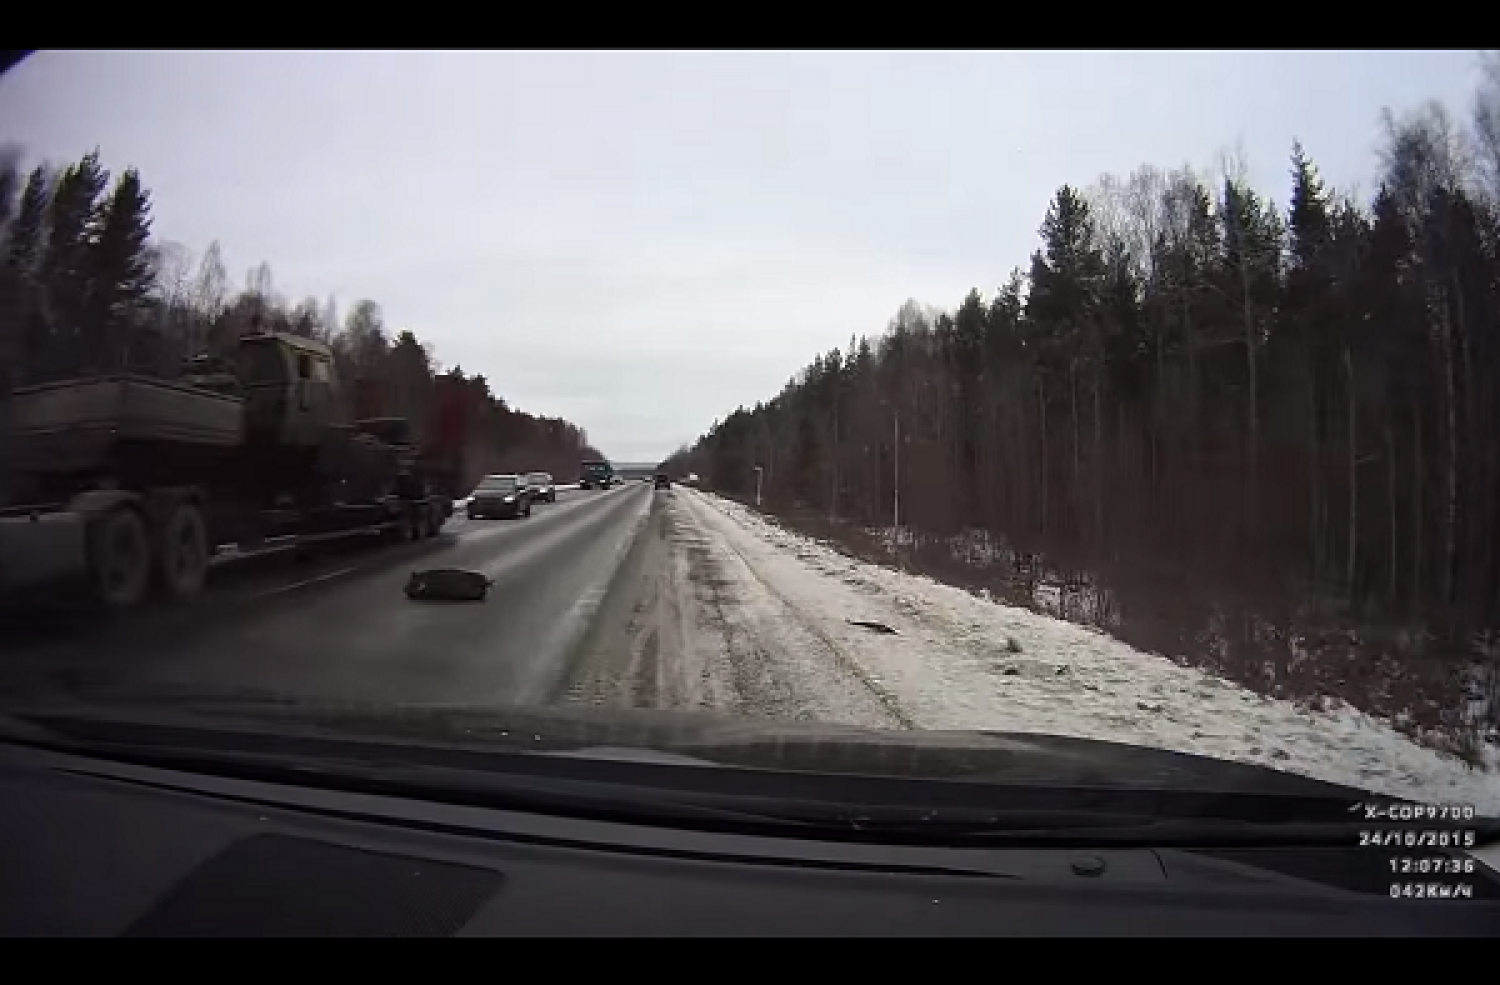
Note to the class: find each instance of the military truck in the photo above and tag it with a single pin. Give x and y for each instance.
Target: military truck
(124, 484)
(434, 473)
(596, 475)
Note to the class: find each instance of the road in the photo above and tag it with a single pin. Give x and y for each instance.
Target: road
(677, 600)
(625, 597)
(340, 630)
(691, 623)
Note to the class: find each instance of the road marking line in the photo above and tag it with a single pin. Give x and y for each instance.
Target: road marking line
(282, 589)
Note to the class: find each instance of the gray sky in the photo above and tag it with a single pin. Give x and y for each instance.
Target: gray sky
(640, 242)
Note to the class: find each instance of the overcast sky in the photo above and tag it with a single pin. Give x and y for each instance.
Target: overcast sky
(640, 242)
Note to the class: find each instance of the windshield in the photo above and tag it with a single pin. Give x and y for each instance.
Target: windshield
(498, 484)
(1118, 397)
(260, 363)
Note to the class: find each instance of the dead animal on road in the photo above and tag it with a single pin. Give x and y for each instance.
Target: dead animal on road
(447, 585)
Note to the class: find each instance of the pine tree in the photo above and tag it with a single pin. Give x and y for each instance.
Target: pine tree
(121, 276)
(26, 237)
(10, 185)
(73, 228)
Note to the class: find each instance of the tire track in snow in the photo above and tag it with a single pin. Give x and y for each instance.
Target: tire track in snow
(692, 625)
(844, 662)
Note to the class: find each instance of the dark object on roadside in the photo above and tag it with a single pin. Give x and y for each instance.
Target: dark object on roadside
(447, 585)
(878, 627)
(663, 481)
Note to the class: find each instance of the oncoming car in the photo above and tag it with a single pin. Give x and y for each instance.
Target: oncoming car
(499, 496)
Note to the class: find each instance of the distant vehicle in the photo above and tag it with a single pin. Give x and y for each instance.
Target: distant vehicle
(540, 487)
(596, 475)
(663, 481)
(501, 497)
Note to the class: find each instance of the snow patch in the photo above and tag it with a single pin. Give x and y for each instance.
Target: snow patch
(958, 661)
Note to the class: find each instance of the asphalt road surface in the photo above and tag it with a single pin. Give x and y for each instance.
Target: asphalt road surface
(340, 630)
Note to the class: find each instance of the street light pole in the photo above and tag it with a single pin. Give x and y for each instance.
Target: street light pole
(896, 473)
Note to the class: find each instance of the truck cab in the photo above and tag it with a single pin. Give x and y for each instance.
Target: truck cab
(596, 475)
(290, 388)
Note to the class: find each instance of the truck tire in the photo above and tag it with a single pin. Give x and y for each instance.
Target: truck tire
(182, 554)
(119, 558)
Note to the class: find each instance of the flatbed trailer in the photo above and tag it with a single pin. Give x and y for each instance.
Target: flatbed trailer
(79, 544)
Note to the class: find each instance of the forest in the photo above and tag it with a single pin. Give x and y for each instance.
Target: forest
(85, 288)
(1260, 438)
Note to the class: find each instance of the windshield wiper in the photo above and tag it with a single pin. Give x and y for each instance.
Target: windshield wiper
(753, 814)
(770, 817)
(591, 799)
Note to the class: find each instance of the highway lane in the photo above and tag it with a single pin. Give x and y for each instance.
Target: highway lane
(340, 630)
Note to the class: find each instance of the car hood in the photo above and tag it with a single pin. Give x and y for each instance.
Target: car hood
(698, 739)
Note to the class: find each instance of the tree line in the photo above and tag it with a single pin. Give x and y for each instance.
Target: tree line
(1191, 392)
(85, 288)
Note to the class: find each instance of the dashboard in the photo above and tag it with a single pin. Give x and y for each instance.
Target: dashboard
(93, 847)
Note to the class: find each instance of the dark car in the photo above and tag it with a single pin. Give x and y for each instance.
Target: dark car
(540, 487)
(499, 497)
(596, 475)
(663, 481)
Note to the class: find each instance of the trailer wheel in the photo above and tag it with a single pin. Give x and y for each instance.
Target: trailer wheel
(120, 558)
(183, 553)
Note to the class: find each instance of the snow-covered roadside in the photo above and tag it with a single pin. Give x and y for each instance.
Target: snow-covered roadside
(960, 662)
